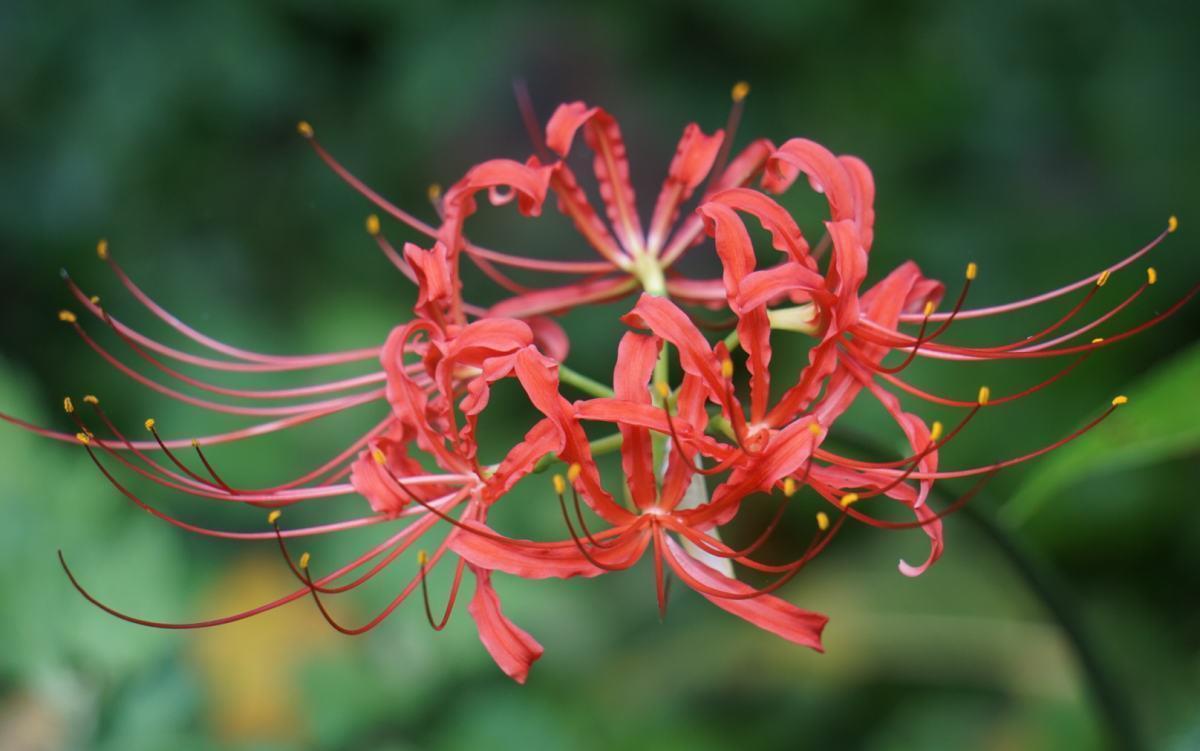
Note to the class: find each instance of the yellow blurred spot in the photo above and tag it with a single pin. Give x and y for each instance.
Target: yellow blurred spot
(68, 405)
(372, 225)
(422, 558)
(83, 438)
(304, 129)
(789, 487)
(972, 270)
(90, 399)
(1103, 278)
(304, 559)
(1119, 400)
(822, 521)
(935, 432)
(740, 91)
(727, 368)
(274, 516)
(560, 485)
(573, 472)
(849, 499)
(95, 299)
(814, 428)
(102, 249)
(985, 396)
(434, 191)
(66, 316)
(1097, 340)
(150, 424)
(1172, 223)
(929, 306)
(378, 456)
(1151, 276)
(662, 388)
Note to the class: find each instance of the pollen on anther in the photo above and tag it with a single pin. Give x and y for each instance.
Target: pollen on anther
(929, 306)
(434, 191)
(972, 270)
(727, 368)
(935, 432)
(814, 428)
(560, 485)
(740, 91)
(1097, 340)
(66, 316)
(68, 405)
(422, 558)
(83, 438)
(372, 225)
(150, 424)
(1151, 276)
(304, 129)
(304, 559)
(274, 516)
(985, 395)
(848, 499)
(822, 521)
(1119, 400)
(573, 472)
(102, 249)
(1172, 223)
(94, 299)
(91, 399)
(1103, 278)
(378, 456)
(789, 486)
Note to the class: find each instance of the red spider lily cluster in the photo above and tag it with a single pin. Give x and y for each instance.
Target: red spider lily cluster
(704, 424)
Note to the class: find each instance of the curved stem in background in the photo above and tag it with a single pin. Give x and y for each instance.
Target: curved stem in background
(1039, 576)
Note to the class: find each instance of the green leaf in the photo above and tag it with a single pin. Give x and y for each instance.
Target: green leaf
(1161, 421)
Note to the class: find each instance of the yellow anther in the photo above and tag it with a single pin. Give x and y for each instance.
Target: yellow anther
(1172, 223)
(740, 91)
(1097, 340)
(102, 249)
(727, 368)
(422, 558)
(304, 559)
(66, 316)
(662, 389)
(1151, 276)
(378, 456)
(573, 472)
(822, 521)
(814, 428)
(849, 499)
(150, 424)
(929, 306)
(560, 485)
(372, 225)
(68, 405)
(95, 299)
(434, 191)
(1119, 400)
(195, 443)
(274, 516)
(90, 399)
(972, 270)
(1103, 278)
(985, 396)
(789, 487)
(304, 129)
(83, 438)
(935, 432)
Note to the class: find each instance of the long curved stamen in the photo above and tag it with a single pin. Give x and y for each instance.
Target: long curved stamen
(737, 96)
(573, 473)
(664, 391)
(559, 489)
(422, 561)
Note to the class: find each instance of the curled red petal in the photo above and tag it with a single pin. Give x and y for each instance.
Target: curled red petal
(510, 646)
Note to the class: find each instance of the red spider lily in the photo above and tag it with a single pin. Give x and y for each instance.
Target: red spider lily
(439, 368)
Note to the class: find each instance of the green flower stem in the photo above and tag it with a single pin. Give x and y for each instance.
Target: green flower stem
(1043, 581)
(599, 447)
(587, 385)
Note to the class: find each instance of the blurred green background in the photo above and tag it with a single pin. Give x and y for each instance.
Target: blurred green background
(1042, 140)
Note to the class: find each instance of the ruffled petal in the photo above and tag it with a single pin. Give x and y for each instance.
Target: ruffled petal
(511, 647)
(539, 560)
(768, 612)
(826, 174)
(636, 357)
(693, 159)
